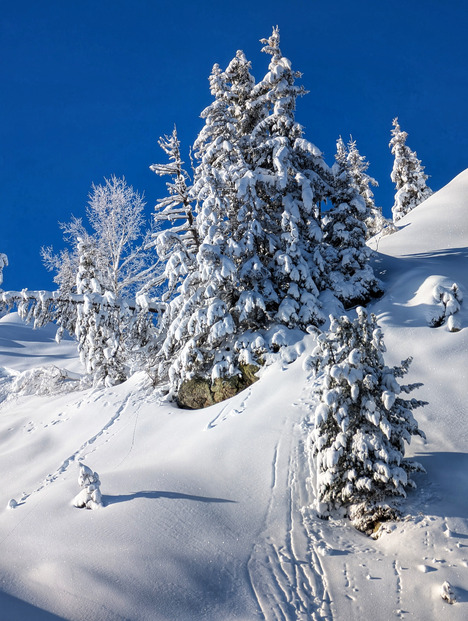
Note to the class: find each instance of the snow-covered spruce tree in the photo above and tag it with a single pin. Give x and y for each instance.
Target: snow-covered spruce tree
(350, 275)
(407, 175)
(357, 166)
(222, 296)
(361, 423)
(98, 326)
(178, 244)
(256, 187)
(289, 176)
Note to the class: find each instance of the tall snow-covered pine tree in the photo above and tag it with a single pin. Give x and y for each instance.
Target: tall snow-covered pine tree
(289, 175)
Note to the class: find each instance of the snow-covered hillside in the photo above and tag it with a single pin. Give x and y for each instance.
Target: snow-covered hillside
(207, 513)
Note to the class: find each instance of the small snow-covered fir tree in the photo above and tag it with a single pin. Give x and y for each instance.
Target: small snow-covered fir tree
(90, 496)
(3, 264)
(407, 175)
(357, 166)
(362, 421)
(350, 275)
(98, 326)
(177, 244)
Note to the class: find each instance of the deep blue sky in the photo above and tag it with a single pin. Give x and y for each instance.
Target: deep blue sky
(89, 86)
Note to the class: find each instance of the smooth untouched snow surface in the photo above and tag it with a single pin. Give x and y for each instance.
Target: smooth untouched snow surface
(206, 513)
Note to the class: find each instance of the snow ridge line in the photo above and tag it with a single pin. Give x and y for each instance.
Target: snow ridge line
(285, 572)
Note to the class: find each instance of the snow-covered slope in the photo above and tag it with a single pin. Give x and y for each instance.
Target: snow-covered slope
(207, 512)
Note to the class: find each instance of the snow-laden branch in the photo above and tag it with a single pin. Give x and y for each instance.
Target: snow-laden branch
(23, 298)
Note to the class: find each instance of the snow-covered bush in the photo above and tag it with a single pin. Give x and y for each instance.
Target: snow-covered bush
(90, 495)
(362, 420)
(447, 593)
(448, 304)
(48, 380)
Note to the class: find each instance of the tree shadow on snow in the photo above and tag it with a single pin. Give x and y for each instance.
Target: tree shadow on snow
(461, 594)
(155, 495)
(442, 490)
(15, 609)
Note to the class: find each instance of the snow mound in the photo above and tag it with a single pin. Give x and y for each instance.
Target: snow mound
(438, 224)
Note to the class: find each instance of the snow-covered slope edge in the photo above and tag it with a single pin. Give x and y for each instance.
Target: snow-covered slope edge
(207, 513)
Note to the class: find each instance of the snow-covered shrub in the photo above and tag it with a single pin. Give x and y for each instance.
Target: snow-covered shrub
(90, 495)
(449, 301)
(447, 593)
(45, 381)
(362, 420)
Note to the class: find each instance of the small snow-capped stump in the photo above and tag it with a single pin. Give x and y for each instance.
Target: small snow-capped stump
(12, 504)
(447, 593)
(90, 496)
(454, 323)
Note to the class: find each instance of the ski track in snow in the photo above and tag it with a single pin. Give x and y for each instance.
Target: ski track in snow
(79, 453)
(285, 570)
(223, 415)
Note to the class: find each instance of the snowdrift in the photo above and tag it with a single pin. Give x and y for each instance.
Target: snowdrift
(207, 513)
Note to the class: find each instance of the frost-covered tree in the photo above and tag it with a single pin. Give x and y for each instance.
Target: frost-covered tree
(90, 495)
(407, 175)
(362, 421)
(115, 213)
(357, 166)
(125, 267)
(98, 326)
(3, 264)
(349, 273)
